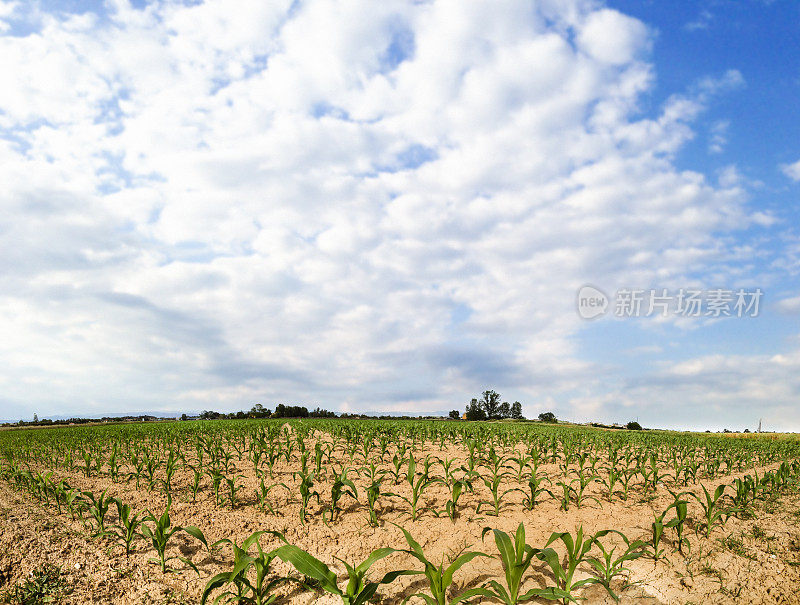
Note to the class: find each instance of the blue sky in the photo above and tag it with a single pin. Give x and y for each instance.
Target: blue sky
(391, 206)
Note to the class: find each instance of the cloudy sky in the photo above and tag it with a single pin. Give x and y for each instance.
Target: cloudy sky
(391, 206)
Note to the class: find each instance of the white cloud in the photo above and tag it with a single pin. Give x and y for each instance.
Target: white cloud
(225, 210)
(611, 37)
(792, 170)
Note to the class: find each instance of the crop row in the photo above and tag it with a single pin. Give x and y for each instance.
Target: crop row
(251, 578)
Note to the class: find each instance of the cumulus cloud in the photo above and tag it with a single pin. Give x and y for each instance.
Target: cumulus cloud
(792, 170)
(378, 205)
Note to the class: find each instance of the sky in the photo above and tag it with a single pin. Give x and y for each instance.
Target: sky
(392, 206)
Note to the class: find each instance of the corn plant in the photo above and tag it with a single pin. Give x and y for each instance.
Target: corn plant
(72, 500)
(342, 486)
(374, 492)
(159, 535)
(678, 523)
(358, 589)
(216, 476)
(457, 487)
(535, 489)
(98, 507)
(607, 566)
(306, 493)
(260, 590)
(418, 487)
(113, 463)
(262, 494)
(659, 525)
(439, 577)
(493, 485)
(577, 548)
(712, 505)
(516, 558)
(128, 528)
(397, 468)
(194, 486)
(233, 489)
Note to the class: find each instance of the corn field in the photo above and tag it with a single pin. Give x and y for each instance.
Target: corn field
(374, 511)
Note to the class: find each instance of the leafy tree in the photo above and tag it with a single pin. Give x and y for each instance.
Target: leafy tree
(547, 417)
(491, 404)
(320, 413)
(454, 414)
(259, 411)
(633, 426)
(475, 411)
(505, 410)
(516, 410)
(290, 411)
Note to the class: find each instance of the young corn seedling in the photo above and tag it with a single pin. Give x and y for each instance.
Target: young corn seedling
(358, 590)
(262, 494)
(233, 489)
(159, 535)
(584, 480)
(678, 523)
(374, 492)
(712, 505)
(610, 481)
(216, 476)
(607, 567)
(457, 487)
(72, 500)
(658, 526)
(342, 486)
(439, 577)
(535, 489)
(306, 493)
(522, 463)
(318, 459)
(128, 528)
(260, 590)
(113, 463)
(577, 550)
(516, 558)
(194, 486)
(418, 487)
(493, 486)
(98, 508)
(567, 493)
(397, 468)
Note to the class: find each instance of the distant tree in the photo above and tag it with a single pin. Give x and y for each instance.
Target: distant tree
(35, 418)
(516, 411)
(320, 413)
(184, 417)
(475, 411)
(290, 411)
(259, 411)
(454, 414)
(633, 426)
(505, 410)
(747, 430)
(490, 402)
(547, 417)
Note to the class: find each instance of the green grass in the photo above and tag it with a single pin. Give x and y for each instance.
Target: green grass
(44, 585)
